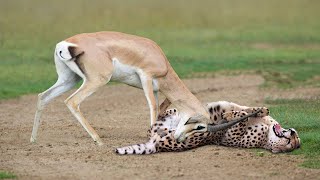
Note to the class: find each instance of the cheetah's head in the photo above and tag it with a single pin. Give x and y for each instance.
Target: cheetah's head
(282, 140)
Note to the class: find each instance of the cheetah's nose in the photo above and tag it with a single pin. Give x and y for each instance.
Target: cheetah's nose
(292, 132)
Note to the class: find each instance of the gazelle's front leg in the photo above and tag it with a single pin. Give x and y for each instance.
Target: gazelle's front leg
(151, 96)
(73, 103)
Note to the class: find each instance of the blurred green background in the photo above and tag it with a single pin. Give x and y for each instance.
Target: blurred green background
(276, 39)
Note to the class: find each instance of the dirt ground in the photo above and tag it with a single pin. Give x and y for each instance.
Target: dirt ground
(120, 115)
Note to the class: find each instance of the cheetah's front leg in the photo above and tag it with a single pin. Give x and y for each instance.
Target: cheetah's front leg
(234, 134)
(264, 111)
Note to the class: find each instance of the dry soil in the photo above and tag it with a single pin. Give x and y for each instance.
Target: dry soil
(120, 115)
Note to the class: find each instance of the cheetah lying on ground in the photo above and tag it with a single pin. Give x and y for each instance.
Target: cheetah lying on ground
(261, 131)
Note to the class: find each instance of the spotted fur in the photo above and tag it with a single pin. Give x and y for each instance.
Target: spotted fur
(261, 131)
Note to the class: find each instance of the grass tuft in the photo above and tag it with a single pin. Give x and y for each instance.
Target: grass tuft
(7, 175)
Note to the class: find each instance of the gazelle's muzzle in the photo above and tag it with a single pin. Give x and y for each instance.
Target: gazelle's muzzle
(219, 127)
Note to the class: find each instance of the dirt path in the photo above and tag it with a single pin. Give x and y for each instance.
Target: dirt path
(120, 115)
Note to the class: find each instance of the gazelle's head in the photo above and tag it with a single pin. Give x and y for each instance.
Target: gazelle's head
(195, 124)
(200, 124)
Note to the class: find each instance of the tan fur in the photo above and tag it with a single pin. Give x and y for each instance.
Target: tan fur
(93, 55)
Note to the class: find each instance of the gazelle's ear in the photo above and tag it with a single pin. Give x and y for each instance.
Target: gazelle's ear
(191, 121)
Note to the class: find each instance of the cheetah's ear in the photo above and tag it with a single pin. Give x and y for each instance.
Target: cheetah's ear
(191, 121)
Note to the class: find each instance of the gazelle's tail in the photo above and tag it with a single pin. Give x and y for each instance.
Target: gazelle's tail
(67, 51)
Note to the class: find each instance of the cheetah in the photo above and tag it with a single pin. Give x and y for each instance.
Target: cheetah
(259, 131)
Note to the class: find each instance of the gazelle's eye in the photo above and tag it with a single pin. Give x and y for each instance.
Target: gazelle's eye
(200, 127)
(191, 121)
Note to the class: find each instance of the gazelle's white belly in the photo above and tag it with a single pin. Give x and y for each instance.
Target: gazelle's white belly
(128, 75)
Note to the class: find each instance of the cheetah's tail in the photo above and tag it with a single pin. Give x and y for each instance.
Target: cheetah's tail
(147, 148)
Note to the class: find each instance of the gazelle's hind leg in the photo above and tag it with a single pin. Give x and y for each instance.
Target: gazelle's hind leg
(62, 85)
(65, 82)
(74, 101)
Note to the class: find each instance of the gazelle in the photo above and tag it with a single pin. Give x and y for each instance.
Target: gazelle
(100, 57)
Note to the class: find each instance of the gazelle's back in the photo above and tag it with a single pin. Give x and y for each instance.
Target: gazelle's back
(130, 50)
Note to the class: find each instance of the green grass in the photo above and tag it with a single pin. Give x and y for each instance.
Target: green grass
(304, 116)
(6, 175)
(278, 39)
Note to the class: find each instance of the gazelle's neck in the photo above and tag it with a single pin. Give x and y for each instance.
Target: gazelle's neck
(179, 95)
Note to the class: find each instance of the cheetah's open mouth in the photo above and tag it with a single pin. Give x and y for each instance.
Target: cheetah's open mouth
(277, 129)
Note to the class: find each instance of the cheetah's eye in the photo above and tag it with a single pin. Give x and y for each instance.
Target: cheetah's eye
(200, 127)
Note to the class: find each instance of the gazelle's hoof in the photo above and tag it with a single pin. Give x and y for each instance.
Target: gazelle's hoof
(32, 140)
(100, 143)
